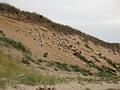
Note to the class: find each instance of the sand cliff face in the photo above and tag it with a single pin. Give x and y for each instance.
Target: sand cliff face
(34, 51)
(70, 51)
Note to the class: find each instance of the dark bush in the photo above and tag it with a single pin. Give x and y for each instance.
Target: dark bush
(1, 32)
(45, 54)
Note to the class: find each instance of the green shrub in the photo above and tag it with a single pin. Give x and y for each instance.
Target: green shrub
(79, 70)
(102, 71)
(2, 83)
(112, 89)
(91, 64)
(106, 72)
(83, 58)
(87, 89)
(34, 79)
(63, 66)
(30, 79)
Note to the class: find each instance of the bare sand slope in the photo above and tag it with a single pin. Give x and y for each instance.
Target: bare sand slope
(71, 86)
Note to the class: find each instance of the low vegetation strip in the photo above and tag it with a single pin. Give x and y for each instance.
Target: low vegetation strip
(15, 44)
(103, 71)
(113, 64)
(65, 67)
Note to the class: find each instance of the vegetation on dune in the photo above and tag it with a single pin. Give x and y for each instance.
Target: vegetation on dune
(34, 79)
(65, 67)
(87, 89)
(9, 68)
(106, 72)
(15, 44)
(79, 70)
(103, 71)
(2, 83)
(13, 71)
(112, 89)
(113, 64)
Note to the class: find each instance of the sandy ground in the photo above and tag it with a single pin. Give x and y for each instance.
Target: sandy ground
(71, 86)
(28, 32)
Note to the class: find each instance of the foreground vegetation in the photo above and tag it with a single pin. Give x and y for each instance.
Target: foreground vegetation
(13, 71)
(64, 67)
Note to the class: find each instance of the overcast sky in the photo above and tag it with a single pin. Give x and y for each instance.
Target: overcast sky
(100, 18)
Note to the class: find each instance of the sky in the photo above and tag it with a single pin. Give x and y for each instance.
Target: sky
(99, 18)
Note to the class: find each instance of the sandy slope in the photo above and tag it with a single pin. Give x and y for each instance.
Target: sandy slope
(71, 86)
(40, 39)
